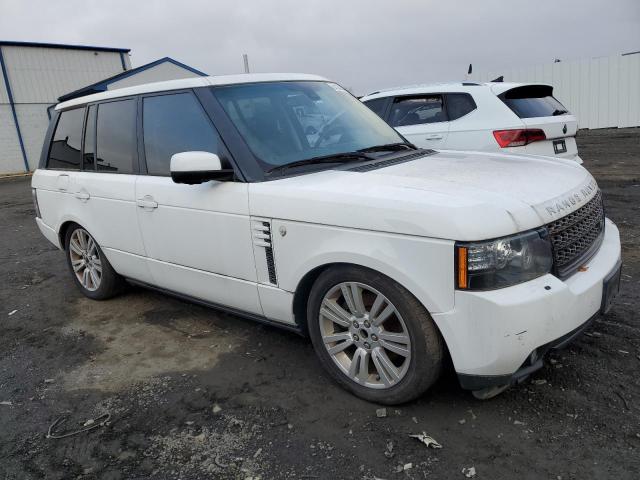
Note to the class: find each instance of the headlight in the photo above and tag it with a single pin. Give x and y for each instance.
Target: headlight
(504, 261)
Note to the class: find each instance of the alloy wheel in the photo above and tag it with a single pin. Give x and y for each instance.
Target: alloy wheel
(85, 259)
(365, 335)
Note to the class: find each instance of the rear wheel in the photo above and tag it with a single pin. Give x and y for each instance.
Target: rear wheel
(91, 271)
(373, 336)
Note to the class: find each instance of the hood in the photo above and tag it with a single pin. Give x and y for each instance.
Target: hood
(448, 195)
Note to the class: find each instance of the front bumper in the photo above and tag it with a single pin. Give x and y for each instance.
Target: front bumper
(499, 337)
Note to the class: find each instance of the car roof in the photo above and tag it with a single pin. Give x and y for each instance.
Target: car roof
(190, 83)
(451, 87)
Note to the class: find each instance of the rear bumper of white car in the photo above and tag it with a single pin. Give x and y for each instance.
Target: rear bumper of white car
(499, 337)
(48, 232)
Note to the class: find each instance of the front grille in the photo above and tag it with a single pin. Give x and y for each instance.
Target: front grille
(577, 236)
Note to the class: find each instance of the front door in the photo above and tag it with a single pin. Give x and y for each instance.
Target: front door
(197, 237)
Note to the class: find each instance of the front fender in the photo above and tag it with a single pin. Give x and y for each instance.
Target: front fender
(424, 266)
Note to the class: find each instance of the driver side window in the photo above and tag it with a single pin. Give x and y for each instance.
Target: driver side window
(416, 110)
(174, 123)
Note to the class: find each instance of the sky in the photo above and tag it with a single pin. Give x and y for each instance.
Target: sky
(363, 45)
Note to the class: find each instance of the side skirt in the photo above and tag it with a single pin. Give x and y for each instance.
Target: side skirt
(223, 308)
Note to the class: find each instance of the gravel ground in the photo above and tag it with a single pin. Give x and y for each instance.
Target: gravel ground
(194, 394)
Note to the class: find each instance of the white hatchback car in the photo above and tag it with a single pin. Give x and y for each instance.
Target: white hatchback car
(216, 190)
(491, 117)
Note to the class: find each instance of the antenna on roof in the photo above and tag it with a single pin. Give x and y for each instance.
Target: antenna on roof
(469, 70)
(499, 79)
(245, 59)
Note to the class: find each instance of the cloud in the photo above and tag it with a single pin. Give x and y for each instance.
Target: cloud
(364, 45)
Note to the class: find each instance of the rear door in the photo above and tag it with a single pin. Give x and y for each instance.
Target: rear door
(197, 237)
(536, 106)
(105, 188)
(422, 119)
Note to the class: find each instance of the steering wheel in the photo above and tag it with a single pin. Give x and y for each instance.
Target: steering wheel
(326, 129)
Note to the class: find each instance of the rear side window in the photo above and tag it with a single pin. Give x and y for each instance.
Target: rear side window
(377, 105)
(417, 110)
(116, 136)
(532, 101)
(65, 151)
(172, 124)
(459, 104)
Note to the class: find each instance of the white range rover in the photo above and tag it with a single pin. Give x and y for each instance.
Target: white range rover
(389, 257)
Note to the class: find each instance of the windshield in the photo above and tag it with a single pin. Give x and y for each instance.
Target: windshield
(286, 122)
(531, 101)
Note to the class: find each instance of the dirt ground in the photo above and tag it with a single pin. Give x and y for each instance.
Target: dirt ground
(197, 394)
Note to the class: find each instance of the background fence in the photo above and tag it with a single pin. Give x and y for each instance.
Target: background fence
(602, 92)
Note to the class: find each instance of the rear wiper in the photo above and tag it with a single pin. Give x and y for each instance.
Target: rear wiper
(334, 158)
(390, 147)
(559, 112)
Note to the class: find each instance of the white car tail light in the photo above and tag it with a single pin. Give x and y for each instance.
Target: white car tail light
(34, 195)
(518, 137)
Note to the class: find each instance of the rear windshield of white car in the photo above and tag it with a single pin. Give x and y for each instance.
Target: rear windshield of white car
(533, 101)
(283, 122)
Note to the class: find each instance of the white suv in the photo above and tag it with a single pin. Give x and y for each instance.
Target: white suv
(216, 190)
(493, 117)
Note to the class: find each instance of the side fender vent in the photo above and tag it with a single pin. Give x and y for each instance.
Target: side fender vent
(262, 238)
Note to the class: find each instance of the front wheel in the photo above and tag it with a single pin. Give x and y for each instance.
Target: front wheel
(373, 336)
(92, 272)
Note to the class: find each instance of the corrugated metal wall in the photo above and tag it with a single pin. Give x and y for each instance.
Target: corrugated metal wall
(602, 92)
(41, 75)
(38, 76)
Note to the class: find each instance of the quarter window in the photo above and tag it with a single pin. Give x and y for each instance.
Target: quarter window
(459, 104)
(172, 124)
(116, 137)
(417, 110)
(67, 141)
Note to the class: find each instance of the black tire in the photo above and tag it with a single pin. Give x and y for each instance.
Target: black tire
(427, 347)
(110, 282)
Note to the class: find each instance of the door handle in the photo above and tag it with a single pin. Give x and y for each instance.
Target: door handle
(434, 136)
(147, 202)
(82, 195)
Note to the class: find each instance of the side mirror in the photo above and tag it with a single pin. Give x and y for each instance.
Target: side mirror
(198, 167)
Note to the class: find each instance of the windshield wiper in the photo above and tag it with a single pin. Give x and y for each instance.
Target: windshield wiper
(334, 158)
(559, 112)
(390, 147)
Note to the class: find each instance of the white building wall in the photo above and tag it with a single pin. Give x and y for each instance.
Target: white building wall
(38, 76)
(33, 121)
(10, 154)
(41, 75)
(159, 73)
(4, 99)
(602, 92)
